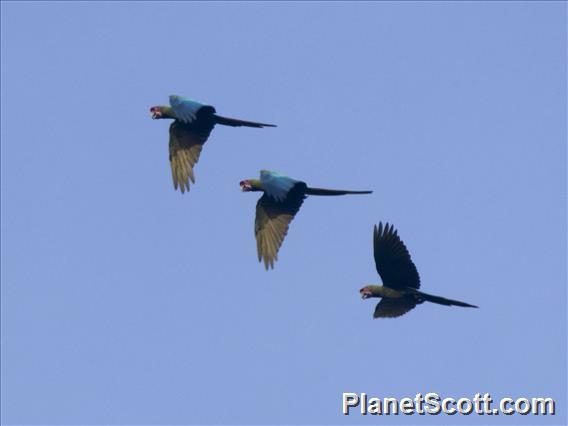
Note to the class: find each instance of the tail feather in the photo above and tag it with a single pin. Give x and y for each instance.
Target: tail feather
(443, 301)
(321, 191)
(235, 122)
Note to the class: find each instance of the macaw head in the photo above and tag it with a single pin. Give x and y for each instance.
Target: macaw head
(245, 185)
(366, 292)
(162, 111)
(249, 185)
(156, 112)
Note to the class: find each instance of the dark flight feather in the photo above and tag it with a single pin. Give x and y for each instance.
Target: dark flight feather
(273, 220)
(235, 122)
(392, 259)
(186, 142)
(321, 191)
(442, 300)
(392, 308)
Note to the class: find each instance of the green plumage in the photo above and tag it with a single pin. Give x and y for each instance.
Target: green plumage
(193, 123)
(280, 202)
(399, 292)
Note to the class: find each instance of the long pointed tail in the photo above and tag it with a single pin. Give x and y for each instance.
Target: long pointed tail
(235, 122)
(443, 301)
(321, 191)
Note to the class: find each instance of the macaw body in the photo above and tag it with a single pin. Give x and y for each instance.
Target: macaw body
(193, 123)
(399, 292)
(281, 200)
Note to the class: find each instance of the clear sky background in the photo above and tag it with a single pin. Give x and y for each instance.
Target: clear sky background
(124, 302)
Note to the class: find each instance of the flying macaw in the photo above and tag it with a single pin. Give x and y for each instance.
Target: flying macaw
(192, 125)
(401, 281)
(280, 202)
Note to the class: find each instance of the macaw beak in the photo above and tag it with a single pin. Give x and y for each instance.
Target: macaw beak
(245, 187)
(365, 294)
(155, 113)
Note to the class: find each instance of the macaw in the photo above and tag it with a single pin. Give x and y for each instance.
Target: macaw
(401, 281)
(280, 202)
(192, 125)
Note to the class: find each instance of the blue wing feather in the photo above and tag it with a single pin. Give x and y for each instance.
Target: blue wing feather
(185, 109)
(276, 185)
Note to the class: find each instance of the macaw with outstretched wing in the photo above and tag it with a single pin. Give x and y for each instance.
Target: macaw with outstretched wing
(399, 292)
(282, 199)
(192, 126)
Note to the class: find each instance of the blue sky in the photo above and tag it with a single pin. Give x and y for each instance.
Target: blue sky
(124, 302)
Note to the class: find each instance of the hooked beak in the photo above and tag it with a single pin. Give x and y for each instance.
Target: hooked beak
(155, 113)
(245, 187)
(365, 294)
